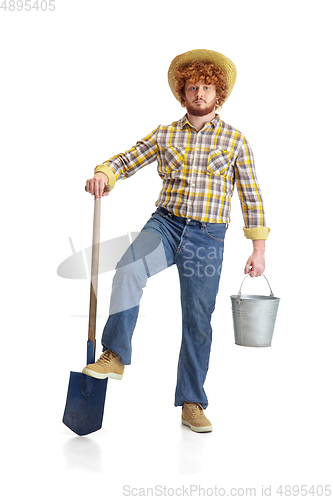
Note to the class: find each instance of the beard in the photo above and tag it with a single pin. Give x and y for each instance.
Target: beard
(194, 111)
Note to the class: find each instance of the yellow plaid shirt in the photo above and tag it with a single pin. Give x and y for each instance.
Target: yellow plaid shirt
(199, 171)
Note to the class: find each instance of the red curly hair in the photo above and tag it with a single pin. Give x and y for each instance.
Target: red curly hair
(196, 71)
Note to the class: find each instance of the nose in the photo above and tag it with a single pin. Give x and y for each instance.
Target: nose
(200, 94)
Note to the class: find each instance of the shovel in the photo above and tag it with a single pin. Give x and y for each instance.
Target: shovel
(86, 395)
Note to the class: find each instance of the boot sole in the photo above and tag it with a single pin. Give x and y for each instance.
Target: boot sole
(101, 376)
(206, 428)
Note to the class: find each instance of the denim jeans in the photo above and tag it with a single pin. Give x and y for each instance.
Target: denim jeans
(196, 248)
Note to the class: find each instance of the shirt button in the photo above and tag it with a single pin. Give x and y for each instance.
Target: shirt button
(193, 184)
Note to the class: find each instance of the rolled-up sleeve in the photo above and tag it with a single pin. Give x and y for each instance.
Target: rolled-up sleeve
(250, 195)
(126, 164)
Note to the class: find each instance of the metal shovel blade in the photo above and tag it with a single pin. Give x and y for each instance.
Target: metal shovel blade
(85, 403)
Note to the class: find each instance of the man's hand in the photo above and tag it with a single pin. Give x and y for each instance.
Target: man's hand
(256, 263)
(96, 185)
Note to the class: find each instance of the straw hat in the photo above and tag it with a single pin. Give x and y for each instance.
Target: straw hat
(203, 55)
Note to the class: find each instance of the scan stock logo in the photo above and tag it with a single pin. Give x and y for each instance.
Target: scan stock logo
(77, 265)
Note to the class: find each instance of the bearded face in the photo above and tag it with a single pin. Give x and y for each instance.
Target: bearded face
(200, 98)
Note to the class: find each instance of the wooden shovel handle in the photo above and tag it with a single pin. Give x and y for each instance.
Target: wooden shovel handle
(94, 271)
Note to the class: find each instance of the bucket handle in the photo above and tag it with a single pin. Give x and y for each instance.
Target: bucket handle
(238, 300)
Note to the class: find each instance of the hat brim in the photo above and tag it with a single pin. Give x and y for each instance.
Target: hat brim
(202, 55)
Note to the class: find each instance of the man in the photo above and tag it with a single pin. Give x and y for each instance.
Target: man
(199, 158)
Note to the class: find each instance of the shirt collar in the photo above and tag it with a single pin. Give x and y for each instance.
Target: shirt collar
(215, 123)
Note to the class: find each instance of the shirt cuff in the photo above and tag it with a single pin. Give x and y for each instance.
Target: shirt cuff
(108, 172)
(256, 233)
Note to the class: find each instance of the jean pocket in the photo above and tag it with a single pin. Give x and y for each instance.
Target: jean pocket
(216, 231)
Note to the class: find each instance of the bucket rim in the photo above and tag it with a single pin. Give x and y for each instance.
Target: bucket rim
(255, 297)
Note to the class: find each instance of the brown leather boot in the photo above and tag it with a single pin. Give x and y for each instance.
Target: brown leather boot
(194, 417)
(108, 365)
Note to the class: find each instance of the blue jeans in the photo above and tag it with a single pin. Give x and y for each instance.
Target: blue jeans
(197, 250)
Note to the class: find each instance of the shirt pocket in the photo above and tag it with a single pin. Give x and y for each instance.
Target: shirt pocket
(172, 162)
(218, 161)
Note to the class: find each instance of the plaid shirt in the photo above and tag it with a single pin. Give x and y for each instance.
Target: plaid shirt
(199, 170)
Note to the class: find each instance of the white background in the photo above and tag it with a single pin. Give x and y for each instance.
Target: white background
(83, 83)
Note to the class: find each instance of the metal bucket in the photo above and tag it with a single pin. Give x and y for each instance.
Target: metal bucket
(254, 318)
